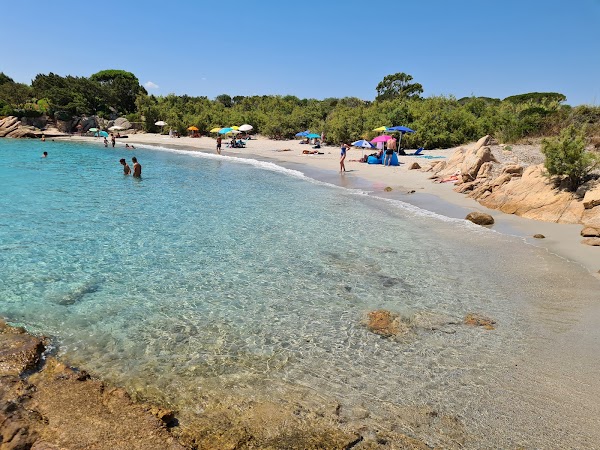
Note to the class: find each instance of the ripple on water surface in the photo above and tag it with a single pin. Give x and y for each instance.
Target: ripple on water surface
(213, 274)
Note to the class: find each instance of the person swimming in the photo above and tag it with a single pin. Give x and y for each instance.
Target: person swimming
(45, 155)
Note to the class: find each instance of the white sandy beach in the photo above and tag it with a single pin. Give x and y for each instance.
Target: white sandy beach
(561, 239)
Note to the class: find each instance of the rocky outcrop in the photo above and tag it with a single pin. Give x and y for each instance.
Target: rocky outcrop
(515, 189)
(590, 232)
(37, 122)
(8, 125)
(122, 122)
(83, 124)
(593, 241)
(58, 407)
(12, 127)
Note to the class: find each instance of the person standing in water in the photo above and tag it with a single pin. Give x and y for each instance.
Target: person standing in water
(126, 168)
(137, 168)
(45, 155)
(344, 148)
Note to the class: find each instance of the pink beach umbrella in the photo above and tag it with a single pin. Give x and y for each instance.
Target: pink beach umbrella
(379, 140)
(382, 138)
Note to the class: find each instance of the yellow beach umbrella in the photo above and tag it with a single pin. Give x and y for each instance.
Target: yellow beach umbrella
(215, 130)
(193, 128)
(234, 127)
(380, 129)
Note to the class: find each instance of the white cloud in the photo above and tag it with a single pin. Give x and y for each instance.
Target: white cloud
(151, 85)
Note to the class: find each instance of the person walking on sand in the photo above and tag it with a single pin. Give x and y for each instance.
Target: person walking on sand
(126, 168)
(343, 149)
(137, 168)
(219, 140)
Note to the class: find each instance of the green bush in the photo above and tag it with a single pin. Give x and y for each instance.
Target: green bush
(567, 158)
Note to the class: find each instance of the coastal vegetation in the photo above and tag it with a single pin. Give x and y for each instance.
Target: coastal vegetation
(567, 158)
(441, 121)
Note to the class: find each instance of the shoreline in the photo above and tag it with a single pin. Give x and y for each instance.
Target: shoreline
(410, 186)
(233, 410)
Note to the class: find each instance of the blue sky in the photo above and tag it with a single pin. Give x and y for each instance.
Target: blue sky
(314, 49)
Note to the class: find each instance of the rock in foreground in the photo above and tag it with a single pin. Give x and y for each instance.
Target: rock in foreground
(480, 218)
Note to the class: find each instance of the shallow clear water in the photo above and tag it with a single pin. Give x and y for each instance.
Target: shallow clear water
(217, 272)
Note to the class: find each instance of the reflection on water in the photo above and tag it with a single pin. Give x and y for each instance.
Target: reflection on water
(214, 276)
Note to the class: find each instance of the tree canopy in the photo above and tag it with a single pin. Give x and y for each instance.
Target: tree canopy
(398, 85)
(441, 121)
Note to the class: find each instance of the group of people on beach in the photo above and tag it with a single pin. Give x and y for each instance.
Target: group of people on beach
(137, 167)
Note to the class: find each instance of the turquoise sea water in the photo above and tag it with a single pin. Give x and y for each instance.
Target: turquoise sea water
(215, 271)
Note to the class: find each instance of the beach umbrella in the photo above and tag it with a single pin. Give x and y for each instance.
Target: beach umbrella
(382, 138)
(215, 130)
(161, 124)
(234, 127)
(363, 144)
(193, 128)
(225, 130)
(93, 130)
(380, 129)
(103, 134)
(245, 127)
(303, 133)
(401, 129)
(313, 135)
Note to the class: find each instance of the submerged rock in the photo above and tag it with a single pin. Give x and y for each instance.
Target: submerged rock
(386, 323)
(539, 236)
(480, 321)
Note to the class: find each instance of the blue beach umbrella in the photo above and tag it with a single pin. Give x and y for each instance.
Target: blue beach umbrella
(225, 130)
(103, 134)
(313, 135)
(363, 144)
(401, 129)
(303, 133)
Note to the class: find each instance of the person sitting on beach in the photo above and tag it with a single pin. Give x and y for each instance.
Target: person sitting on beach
(317, 144)
(126, 168)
